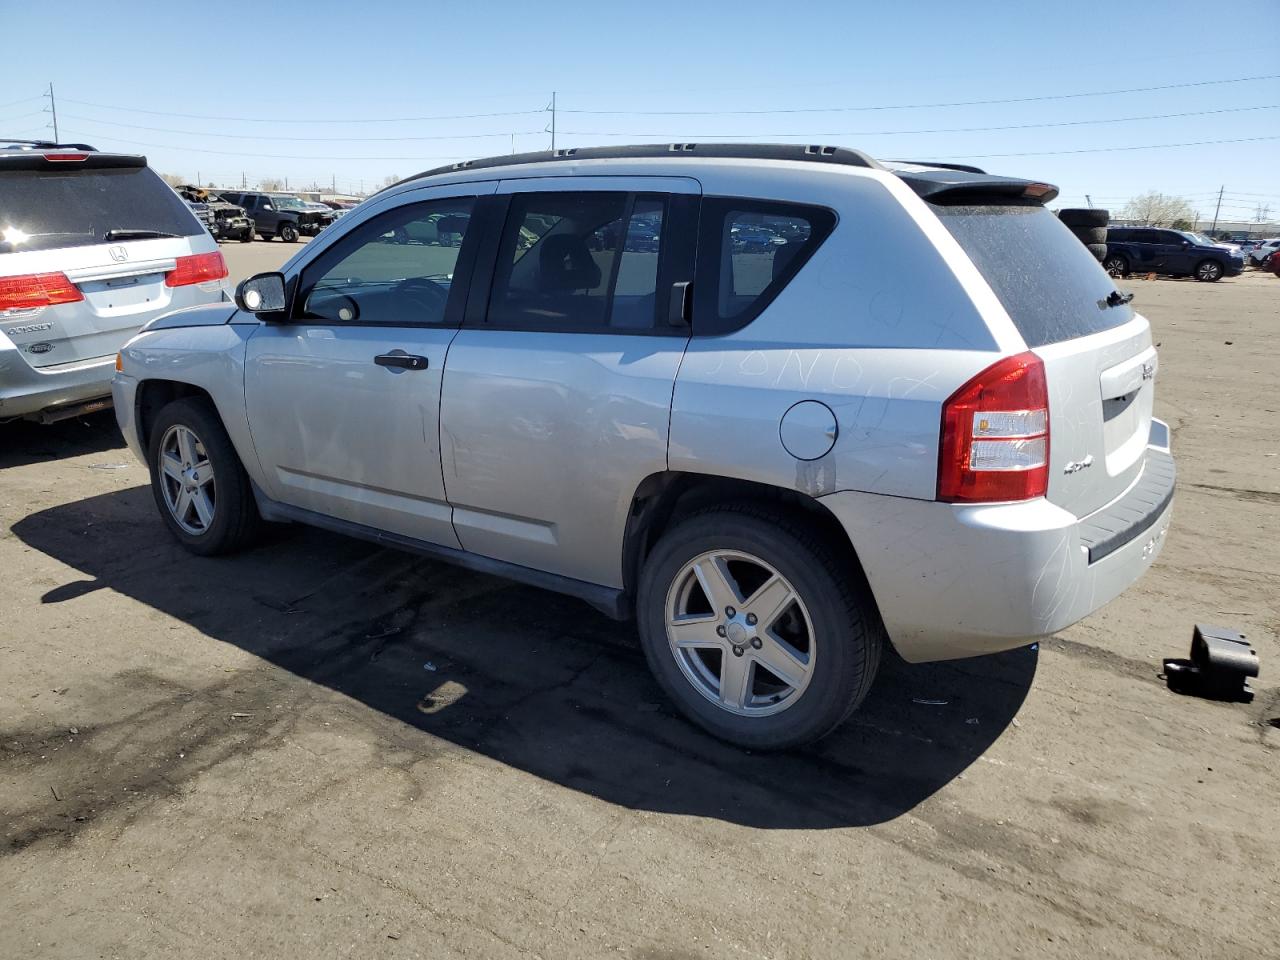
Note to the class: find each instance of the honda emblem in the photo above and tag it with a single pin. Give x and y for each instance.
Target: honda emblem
(119, 254)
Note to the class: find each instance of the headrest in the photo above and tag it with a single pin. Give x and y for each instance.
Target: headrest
(567, 264)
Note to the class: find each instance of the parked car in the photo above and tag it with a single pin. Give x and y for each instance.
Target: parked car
(281, 215)
(1265, 248)
(1175, 253)
(226, 220)
(203, 214)
(919, 422)
(92, 246)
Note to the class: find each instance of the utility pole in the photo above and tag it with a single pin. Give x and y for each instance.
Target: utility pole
(333, 183)
(553, 120)
(1089, 200)
(244, 183)
(1217, 208)
(53, 106)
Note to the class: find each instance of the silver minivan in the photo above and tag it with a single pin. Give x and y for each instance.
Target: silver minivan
(92, 246)
(781, 406)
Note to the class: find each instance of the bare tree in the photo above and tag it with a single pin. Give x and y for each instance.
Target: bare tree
(393, 178)
(1157, 210)
(271, 183)
(173, 179)
(1263, 213)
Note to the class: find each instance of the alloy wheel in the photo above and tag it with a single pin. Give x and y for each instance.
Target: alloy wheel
(187, 480)
(740, 633)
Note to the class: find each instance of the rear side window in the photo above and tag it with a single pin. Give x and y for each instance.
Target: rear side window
(748, 252)
(579, 261)
(48, 209)
(1051, 286)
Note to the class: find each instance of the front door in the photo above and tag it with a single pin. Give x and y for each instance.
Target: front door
(343, 398)
(557, 395)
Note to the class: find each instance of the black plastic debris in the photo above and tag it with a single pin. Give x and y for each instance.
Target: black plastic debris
(1219, 668)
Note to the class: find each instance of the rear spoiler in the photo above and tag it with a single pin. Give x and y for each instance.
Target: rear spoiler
(68, 160)
(955, 186)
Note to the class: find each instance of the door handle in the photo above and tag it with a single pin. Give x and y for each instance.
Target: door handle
(405, 361)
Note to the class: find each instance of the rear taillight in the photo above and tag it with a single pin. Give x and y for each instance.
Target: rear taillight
(37, 290)
(199, 268)
(995, 435)
(66, 157)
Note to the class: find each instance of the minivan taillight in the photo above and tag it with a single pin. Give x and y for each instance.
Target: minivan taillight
(37, 290)
(198, 268)
(995, 435)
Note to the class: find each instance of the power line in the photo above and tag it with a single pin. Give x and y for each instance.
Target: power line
(891, 133)
(346, 139)
(22, 100)
(919, 106)
(1144, 146)
(268, 156)
(200, 116)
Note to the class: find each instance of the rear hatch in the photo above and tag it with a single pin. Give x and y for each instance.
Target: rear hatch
(1097, 352)
(111, 228)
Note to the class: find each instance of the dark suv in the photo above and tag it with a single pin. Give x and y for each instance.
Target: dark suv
(1175, 253)
(279, 214)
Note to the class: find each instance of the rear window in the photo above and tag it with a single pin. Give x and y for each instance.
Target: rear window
(1051, 286)
(46, 209)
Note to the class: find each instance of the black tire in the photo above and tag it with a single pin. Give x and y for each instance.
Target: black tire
(848, 634)
(1208, 271)
(266, 237)
(247, 237)
(235, 515)
(1090, 235)
(1099, 250)
(1081, 217)
(289, 232)
(1116, 264)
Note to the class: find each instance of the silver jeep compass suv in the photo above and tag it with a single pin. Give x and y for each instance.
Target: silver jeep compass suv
(92, 246)
(782, 405)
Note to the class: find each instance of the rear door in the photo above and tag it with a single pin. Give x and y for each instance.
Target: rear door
(99, 235)
(1098, 356)
(556, 401)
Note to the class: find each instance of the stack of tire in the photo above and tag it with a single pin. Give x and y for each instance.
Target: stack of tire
(1090, 228)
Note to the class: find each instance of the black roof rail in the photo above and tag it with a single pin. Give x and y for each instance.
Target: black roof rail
(10, 144)
(737, 151)
(962, 167)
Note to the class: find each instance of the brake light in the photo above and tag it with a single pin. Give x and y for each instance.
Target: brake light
(995, 435)
(37, 290)
(65, 157)
(198, 268)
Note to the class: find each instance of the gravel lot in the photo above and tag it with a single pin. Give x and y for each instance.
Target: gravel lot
(325, 749)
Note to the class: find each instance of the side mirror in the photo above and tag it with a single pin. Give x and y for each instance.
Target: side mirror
(262, 293)
(1185, 244)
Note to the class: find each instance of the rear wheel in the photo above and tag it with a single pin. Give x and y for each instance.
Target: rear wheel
(755, 629)
(289, 232)
(247, 237)
(199, 484)
(1208, 271)
(1116, 265)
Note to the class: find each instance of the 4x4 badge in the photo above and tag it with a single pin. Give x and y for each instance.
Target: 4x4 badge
(1075, 466)
(119, 254)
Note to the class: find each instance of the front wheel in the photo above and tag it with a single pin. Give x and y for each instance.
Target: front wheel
(1116, 265)
(756, 629)
(247, 237)
(198, 482)
(1208, 271)
(288, 233)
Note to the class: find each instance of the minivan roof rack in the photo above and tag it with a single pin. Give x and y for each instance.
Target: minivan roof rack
(737, 151)
(10, 144)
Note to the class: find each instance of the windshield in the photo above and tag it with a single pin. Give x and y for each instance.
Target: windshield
(288, 203)
(46, 209)
(1199, 239)
(1052, 287)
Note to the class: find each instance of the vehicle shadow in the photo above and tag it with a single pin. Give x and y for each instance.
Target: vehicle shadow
(24, 442)
(534, 680)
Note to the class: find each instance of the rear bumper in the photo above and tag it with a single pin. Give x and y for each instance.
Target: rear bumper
(26, 390)
(960, 580)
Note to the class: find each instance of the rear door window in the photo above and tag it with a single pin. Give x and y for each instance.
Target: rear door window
(579, 261)
(1050, 285)
(748, 252)
(48, 209)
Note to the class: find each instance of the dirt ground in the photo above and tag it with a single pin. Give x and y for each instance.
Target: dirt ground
(325, 749)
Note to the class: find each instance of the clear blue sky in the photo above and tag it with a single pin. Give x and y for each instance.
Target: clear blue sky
(372, 60)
